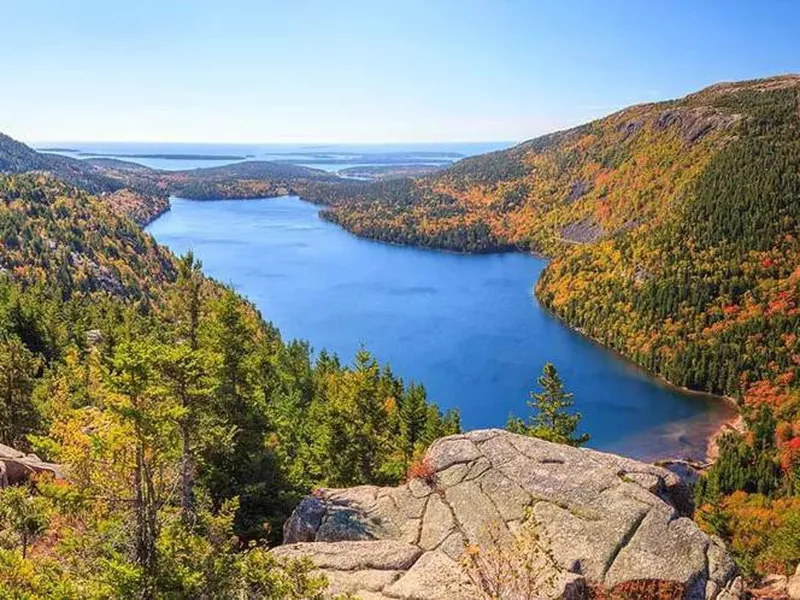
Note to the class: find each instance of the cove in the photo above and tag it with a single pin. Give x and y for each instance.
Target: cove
(466, 326)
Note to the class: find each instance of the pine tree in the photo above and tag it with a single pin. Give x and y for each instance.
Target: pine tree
(551, 419)
(413, 415)
(189, 298)
(183, 369)
(18, 367)
(22, 515)
(185, 379)
(146, 420)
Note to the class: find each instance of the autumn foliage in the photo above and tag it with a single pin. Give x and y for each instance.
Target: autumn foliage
(423, 470)
(674, 234)
(652, 589)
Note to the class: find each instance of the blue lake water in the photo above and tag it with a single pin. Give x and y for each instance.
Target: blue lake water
(467, 326)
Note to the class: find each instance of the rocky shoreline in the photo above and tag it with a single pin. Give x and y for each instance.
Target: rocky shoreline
(735, 424)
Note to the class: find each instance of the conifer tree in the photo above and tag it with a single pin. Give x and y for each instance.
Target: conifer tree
(413, 416)
(552, 419)
(183, 369)
(18, 367)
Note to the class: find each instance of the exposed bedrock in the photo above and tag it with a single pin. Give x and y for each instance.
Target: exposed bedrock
(605, 523)
(17, 467)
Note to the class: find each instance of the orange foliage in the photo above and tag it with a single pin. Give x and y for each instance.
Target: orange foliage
(790, 455)
(753, 520)
(423, 470)
(764, 392)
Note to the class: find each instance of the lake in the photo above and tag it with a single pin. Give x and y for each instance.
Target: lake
(466, 326)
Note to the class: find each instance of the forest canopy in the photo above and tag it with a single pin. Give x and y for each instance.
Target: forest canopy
(187, 427)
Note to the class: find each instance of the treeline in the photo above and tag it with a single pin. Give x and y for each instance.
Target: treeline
(475, 237)
(233, 189)
(187, 427)
(384, 211)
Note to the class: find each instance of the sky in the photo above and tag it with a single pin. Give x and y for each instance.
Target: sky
(372, 71)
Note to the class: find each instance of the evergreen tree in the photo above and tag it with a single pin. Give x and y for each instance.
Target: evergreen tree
(551, 419)
(413, 416)
(145, 423)
(184, 378)
(189, 299)
(183, 369)
(18, 367)
(22, 515)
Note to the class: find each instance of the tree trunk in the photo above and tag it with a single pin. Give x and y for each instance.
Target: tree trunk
(187, 499)
(144, 513)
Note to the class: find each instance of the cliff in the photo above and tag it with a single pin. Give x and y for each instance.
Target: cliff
(586, 524)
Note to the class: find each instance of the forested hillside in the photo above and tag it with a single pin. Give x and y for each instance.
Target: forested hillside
(16, 157)
(251, 179)
(673, 227)
(187, 427)
(142, 193)
(674, 232)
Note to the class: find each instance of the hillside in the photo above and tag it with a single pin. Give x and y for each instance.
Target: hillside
(53, 234)
(250, 179)
(16, 157)
(674, 230)
(142, 193)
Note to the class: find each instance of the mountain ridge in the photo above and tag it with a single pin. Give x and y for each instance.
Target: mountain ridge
(673, 228)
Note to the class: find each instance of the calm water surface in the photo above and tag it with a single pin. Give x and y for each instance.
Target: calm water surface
(467, 326)
(352, 155)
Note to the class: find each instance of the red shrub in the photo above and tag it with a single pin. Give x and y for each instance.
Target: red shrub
(423, 470)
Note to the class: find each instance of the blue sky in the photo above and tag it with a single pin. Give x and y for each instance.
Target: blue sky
(367, 71)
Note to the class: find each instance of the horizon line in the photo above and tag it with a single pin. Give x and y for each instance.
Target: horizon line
(298, 143)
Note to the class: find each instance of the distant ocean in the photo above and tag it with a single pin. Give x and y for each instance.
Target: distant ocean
(329, 157)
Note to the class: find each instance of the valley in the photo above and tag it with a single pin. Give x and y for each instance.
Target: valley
(467, 327)
(671, 233)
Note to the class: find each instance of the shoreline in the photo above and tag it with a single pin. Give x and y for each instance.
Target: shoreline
(734, 422)
(708, 440)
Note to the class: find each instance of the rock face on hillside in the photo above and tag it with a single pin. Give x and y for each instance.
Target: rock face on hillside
(607, 522)
(17, 467)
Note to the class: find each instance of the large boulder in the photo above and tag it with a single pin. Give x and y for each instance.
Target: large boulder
(17, 467)
(601, 522)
